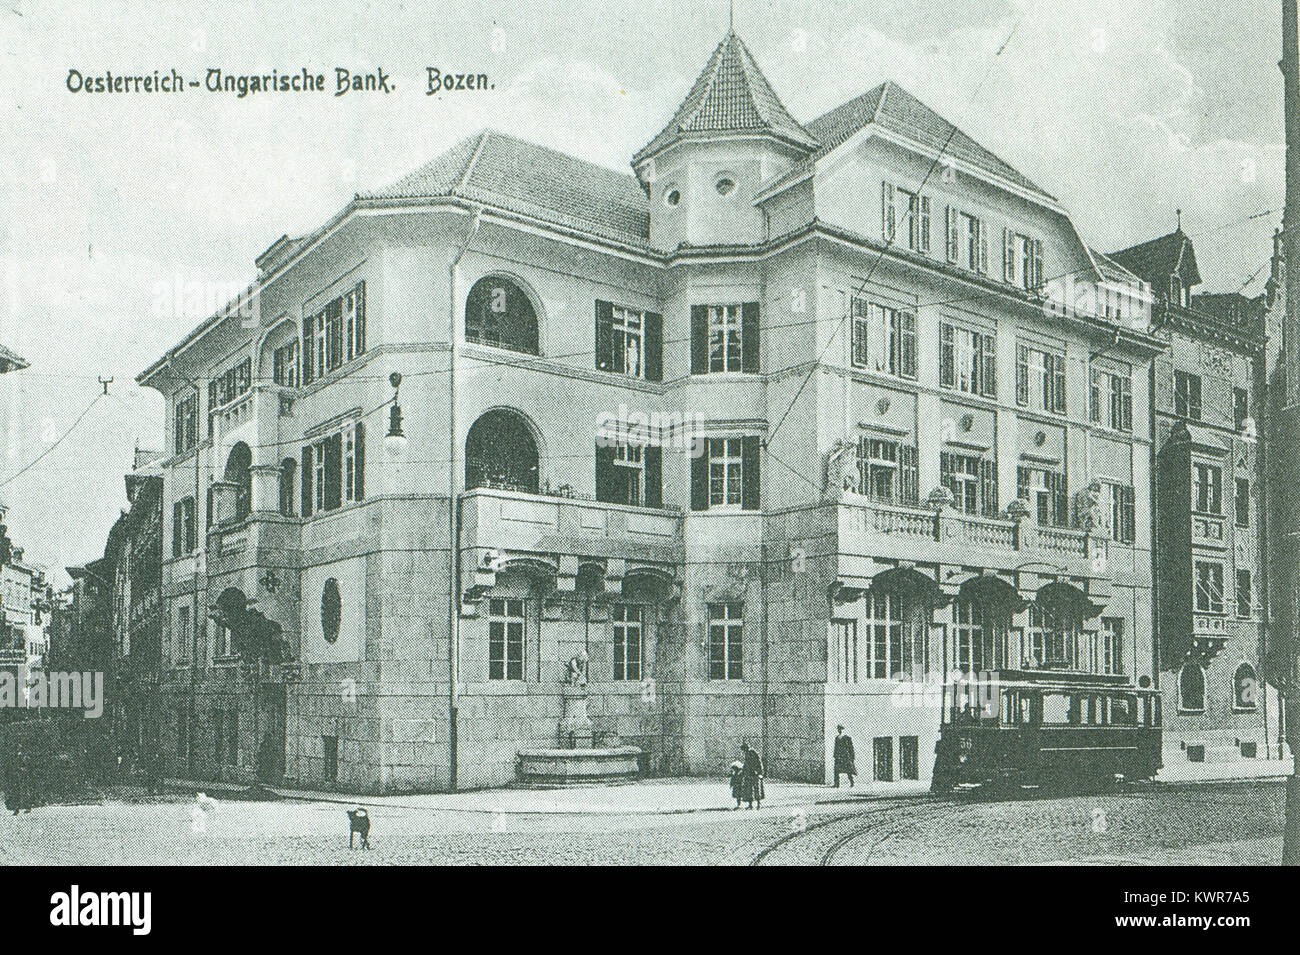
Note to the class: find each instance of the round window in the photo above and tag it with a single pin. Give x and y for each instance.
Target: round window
(331, 610)
(725, 186)
(672, 197)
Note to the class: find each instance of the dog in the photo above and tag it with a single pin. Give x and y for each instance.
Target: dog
(359, 820)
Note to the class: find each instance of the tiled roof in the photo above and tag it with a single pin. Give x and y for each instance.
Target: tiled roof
(1110, 269)
(532, 180)
(1157, 259)
(895, 109)
(731, 95)
(9, 361)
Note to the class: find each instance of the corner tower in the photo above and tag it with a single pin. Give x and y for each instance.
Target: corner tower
(730, 135)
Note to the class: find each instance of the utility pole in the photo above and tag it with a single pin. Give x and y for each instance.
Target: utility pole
(1286, 431)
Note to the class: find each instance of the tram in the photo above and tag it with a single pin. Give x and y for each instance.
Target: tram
(1058, 734)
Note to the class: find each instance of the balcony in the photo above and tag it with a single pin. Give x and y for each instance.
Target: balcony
(893, 532)
(499, 526)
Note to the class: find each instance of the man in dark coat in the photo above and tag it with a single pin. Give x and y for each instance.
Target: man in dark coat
(845, 758)
(751, 777)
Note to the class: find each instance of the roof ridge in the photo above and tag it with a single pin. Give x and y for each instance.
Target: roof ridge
(469, 166)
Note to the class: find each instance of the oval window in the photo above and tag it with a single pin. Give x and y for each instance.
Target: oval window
(672, 197)
(331, 610)
(725, 186)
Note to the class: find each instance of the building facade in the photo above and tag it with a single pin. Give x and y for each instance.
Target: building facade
(1207, 389)
(785, 431)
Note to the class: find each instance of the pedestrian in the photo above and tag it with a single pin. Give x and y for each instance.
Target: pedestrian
(16, 784)
(737, 767)
(845, 758)
(751, 776)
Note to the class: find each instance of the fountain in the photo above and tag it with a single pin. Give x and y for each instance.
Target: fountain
(575, 761)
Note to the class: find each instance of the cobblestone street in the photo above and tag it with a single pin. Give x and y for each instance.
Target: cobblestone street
(1223, 823)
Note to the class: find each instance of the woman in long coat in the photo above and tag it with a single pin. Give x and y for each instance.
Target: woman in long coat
(751, 777)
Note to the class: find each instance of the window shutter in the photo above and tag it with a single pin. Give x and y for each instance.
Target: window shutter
(1008, 255)
(858, 348)
(308, 364)
(604, 335)
(907, 344)
(1038, 263)
(1022, 375)
(176, 529)
(1094, 398)
(359, 463)
(946, 359)
(749, 352)
(1022, 483)
(887, 218)
(749, 473)
(333, 471)
(699, 339)
(982, 229)
(925, 223)
(1060, 499)
(308, 473)
(1058, 391)
(700, 476)
(945, 470)
(1127, 516)
(908, 475)
(359, 333)
(653, 324)
(989, 486)
(605, 483)
(954, 240)
(1126, 406)
(652, 457)
(989, 383)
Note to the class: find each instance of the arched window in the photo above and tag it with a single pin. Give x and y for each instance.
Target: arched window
(1191, 688)
(499, 313)
(288, 468)
(239, 472)
(1245, 688)
(500, 452)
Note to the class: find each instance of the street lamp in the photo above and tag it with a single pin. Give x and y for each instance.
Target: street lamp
(395, 439)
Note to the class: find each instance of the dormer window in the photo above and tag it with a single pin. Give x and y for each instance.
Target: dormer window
(725, 185)
(672, 198)
(1175, 290)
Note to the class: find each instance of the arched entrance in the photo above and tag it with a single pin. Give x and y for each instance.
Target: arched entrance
(500, 452)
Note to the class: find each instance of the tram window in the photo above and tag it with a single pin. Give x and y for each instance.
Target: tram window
(1056, 708)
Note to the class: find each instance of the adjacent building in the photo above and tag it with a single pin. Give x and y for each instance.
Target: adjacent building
(785, 430)
(1207, 390)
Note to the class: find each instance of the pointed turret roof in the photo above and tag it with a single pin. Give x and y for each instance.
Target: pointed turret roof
(731, 95)
(1157, 259)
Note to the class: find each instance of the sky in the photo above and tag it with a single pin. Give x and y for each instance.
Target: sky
(1124, 109)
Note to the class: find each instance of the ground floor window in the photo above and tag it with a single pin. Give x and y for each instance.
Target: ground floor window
(1245, 688)
(629, 642)
(883, 759)
(1053, 637)
(1191, 688)
(1110, 653)
(972, 637)
(726, 641)
(844, 651)
(895, 646)
(506, 628)
(909, 762)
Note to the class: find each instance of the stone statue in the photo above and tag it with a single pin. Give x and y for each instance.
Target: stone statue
(577, 672)
(841, 469)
